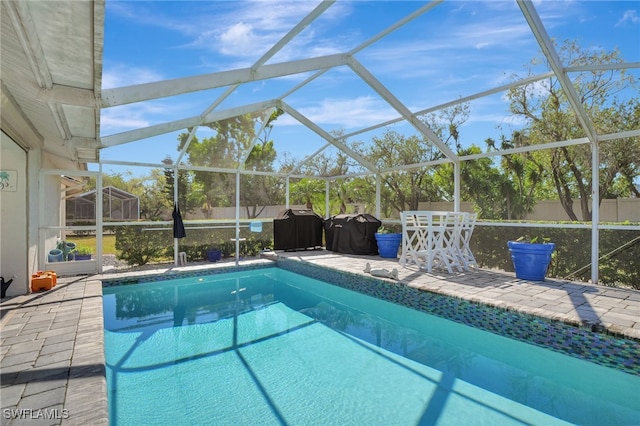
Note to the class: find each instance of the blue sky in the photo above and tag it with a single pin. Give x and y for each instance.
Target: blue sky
(454, 50)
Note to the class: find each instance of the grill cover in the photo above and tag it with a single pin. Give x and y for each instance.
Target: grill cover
(352, 233)
(295, 229)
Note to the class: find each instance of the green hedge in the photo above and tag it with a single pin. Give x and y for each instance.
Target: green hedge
(573, 252)
(139, 245)
(249, 248)
(488, 243)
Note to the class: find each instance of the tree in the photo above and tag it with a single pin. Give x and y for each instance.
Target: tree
(522, 179)
(235, 146)
(258, 191)
(188, 199)
(403, 189)
(548, 115)
(153, 206)
(446, 123)
(342, 191)
(325, 165)
(481, 183)
(309, 192)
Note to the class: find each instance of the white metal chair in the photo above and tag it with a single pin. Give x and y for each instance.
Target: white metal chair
(431, 230)
(446, 243)
(465, 253)
(410, 238)
(416, 239)
(431, 239)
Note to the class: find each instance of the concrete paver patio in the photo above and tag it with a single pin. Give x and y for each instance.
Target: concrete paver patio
(52, 348)
(618, 310)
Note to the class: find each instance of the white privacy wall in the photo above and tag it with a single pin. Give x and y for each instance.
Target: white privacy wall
(13, 213)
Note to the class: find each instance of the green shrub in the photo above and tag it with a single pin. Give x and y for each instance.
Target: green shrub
(197, 253)
(139, 247)
(572, 256)
(84, 250)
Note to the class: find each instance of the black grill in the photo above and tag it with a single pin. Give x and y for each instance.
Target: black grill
(295, 229)
(352, 233)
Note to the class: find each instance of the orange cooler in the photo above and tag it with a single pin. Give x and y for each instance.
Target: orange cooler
(43, 280)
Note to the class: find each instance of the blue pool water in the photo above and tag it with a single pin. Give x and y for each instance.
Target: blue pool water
(269, 346)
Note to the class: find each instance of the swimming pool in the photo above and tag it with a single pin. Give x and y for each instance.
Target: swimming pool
(268, 346)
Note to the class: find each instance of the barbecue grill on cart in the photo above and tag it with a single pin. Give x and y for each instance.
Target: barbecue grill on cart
(352, 233)
(297, 229)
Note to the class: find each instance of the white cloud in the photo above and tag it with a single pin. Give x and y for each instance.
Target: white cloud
(496, 33)
(237, 38)
(116, 120)
(345, 113)
(120, 75)
(139, 115)
(630, 16)
(244, 29)
(489, 41)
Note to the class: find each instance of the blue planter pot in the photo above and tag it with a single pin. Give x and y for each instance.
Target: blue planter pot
(55, 255)
(214, 255)
(388, 245)
(530, 261)
(69, 250)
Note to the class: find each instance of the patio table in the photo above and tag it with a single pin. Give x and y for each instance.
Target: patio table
(437, 239)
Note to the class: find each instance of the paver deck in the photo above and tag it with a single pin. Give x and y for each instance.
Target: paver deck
(617, 310)
(52, 348)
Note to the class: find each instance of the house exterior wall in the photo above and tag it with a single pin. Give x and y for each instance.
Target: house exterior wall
(51, 211)
(14, 214)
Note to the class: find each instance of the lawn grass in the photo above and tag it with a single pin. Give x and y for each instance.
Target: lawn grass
(108, 242)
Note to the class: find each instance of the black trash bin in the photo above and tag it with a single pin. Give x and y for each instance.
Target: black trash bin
(352, 233)
(297, 229)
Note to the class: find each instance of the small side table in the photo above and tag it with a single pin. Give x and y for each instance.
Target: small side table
(241, 240)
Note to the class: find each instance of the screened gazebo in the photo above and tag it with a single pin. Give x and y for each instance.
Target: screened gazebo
(117, 205)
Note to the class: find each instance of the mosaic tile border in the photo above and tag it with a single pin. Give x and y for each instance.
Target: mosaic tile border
(610, 351)
(600, 348)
